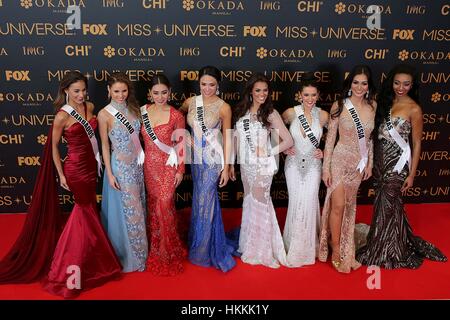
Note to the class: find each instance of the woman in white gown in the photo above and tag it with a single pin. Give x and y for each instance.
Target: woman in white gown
(303, 170)
(260, 240)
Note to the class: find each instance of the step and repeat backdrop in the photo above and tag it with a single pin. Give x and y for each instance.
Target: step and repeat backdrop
(40, 40)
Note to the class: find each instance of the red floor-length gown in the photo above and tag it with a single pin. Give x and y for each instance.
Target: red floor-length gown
(83, 243)
(166, 251)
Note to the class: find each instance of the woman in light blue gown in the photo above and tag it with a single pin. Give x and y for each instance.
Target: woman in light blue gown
(123, 196)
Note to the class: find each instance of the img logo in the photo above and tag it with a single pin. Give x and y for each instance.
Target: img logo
(112, 3)
(269, 5)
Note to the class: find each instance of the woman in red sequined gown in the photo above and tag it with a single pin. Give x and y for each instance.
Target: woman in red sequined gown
(83, 257)
(166, 252)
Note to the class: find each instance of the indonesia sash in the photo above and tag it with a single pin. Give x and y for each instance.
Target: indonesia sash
(406, 150)
(200, 117)
(363, 152)
(172, 161)
(89, 131)
(133, 134)
(305, 125)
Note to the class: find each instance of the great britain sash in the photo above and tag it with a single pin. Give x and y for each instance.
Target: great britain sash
(172, 161)
(209, 136)
(89, 131)
(363, 152)
(406, 150)
(133, 134)
(305, 125)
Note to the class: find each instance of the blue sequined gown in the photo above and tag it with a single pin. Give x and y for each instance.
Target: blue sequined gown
(208, 245)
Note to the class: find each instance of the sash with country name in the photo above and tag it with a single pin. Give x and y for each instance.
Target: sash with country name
(269, 164)
(305, 125)
(89, 131)
(172, 161)
(133, 134)
(363, 152)
(406, 150)
(209, 136)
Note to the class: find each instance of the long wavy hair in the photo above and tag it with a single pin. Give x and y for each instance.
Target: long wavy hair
(69, 78)
(244, 105)
(357, 70)
(386, 95)
(132, 103)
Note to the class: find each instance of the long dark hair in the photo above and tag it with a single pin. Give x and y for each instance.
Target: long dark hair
(357, 70)
(132, 103)
(308, 80)
(159, 79)
(387, 94)
(244, 105)
(69, 78)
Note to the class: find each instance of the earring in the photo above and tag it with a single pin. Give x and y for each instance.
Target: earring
(367, 94)
(217, 91)
(251, 98)
(67, 98)
(151, 99)
(349, 94)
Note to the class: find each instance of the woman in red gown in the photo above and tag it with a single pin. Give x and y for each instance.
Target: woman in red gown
(162, 176)
(83, 257)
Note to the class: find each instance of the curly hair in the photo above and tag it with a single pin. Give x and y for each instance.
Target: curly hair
(386, 95)
(244, 105)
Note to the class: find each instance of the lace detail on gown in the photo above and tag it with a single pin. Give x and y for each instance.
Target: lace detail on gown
(260, 240)
(167, 252)
(341, 161)
(208, 245)
(123, 212)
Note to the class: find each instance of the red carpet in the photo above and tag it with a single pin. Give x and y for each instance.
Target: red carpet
(320, 281)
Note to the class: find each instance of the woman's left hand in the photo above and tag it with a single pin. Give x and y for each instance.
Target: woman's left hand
(224, 176)
(409, 181)
(178, 179)
(367, 173)
(318, 154)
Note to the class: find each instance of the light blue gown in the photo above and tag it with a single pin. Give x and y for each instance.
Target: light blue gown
(123, 212)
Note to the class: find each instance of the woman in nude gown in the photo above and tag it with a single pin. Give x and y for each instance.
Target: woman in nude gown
(345, 165)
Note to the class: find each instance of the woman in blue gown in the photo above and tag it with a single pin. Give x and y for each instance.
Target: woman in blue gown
(207, 115)
(123, 196)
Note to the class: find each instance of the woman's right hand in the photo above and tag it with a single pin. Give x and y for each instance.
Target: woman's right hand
(290, 151)
(63, 182)
(231, 173)
(113, 182)
(326, 178)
